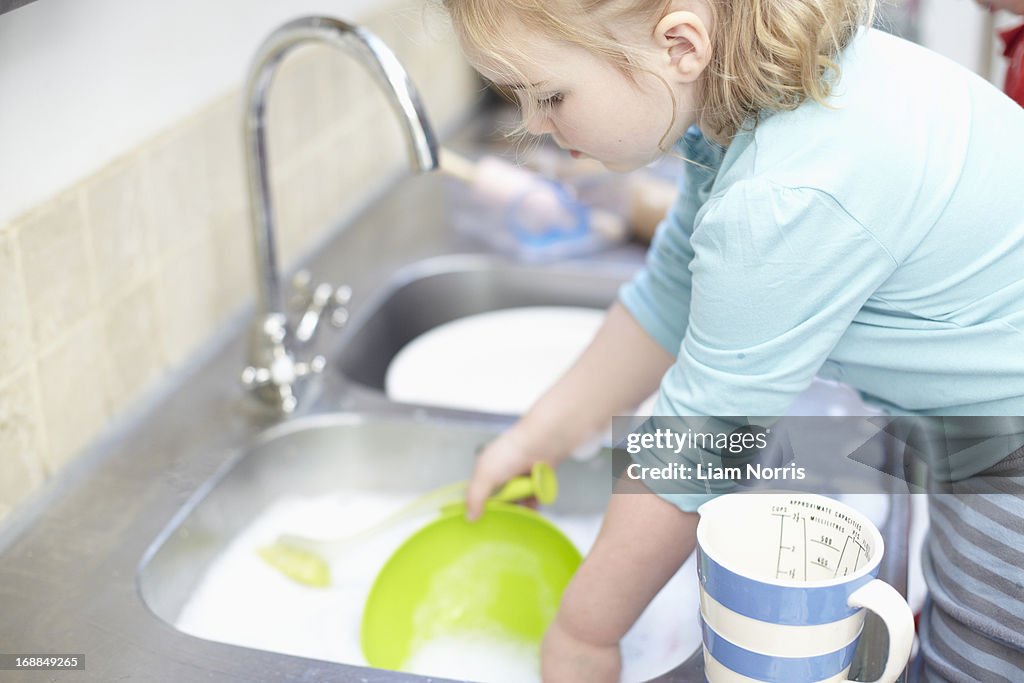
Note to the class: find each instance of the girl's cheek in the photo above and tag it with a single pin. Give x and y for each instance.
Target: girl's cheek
(570, 122)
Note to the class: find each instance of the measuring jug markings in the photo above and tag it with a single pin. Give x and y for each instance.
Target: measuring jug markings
(841, 566)
(826, 541)
(791, 572)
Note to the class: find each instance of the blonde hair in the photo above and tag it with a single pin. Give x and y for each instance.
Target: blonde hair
(766, 55)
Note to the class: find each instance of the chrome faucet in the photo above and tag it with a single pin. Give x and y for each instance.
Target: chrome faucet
(275, 371)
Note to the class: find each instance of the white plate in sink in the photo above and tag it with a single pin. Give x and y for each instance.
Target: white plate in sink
(495, 362)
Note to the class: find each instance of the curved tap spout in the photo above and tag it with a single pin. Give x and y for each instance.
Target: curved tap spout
(270, 343)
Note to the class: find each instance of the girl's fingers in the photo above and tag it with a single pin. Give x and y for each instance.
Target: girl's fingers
(486, 477)
(476, 493)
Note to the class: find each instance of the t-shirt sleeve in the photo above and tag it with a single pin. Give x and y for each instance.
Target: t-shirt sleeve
(776, 278)
(659, 296)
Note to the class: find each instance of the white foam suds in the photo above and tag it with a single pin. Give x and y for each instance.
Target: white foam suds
(477, 658)
(243, 601)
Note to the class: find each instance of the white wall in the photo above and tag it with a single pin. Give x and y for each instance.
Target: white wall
(84, 81)
(965, 32)
(954, 28)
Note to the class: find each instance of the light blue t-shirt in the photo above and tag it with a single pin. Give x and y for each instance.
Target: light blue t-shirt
(878, 241)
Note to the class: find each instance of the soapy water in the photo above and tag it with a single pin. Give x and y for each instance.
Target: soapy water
(478, 657)
(243, 601)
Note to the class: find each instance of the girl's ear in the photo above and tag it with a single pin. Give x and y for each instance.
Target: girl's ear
(687, 46)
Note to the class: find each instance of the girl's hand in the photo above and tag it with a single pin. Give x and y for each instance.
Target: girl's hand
(510, 455)
(565, 658)
(619, 369)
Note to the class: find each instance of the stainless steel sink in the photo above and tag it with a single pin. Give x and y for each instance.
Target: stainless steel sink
(317, 456)
(320, 455)
(386, 448)
(379, 447)
(436, 291)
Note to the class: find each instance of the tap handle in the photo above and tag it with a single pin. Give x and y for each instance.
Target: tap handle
(289, 401)
(310, 320)
(313, 367)
(323, 299)
(254, 377)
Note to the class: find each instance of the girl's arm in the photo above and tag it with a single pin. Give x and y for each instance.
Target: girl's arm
(620, 368)
(643, 542)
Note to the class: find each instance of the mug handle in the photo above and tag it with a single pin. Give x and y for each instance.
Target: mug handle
(889, 605)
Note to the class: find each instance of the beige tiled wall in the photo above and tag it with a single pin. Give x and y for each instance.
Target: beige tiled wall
(108, 287)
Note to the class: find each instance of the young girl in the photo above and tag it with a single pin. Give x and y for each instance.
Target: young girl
(853, 209)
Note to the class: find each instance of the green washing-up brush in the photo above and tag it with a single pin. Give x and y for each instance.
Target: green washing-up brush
(298, 565)
(303, 559)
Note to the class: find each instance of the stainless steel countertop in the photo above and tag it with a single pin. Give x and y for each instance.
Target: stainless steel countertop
(68, 558)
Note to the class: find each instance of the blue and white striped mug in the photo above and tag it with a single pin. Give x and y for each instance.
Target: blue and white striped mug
(784, 581)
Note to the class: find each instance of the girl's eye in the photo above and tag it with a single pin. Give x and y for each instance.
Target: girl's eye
(551, 100)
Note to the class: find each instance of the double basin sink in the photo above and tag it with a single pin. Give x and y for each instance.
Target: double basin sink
(373, 445)
(355, 441)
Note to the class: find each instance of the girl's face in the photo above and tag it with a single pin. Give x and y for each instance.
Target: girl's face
(590, 107)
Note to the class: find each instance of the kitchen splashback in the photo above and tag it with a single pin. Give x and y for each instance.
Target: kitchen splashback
(109, 286)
